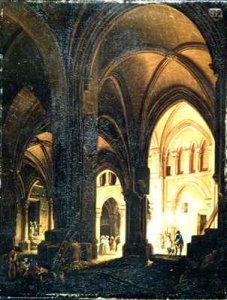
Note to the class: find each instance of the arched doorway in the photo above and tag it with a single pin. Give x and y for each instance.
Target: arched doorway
(183, 194)
(110, 219)
(35, 218)
(110, 214)
(40, 214)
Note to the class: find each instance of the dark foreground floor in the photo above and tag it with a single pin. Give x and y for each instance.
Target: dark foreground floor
(119, 278)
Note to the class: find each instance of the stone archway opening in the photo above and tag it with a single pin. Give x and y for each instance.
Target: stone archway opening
(110, 216)
(40, 214)
(183, 193)
(36, 217)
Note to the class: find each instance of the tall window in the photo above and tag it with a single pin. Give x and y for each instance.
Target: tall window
(180, 165)
(112, 178)
(204, 158)
(103, 179)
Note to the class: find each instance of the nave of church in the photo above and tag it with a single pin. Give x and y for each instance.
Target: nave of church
(113, 131)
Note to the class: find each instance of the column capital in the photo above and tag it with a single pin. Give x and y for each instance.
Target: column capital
(98, 212)
(26, 204)
(51, 201)
(131, 196)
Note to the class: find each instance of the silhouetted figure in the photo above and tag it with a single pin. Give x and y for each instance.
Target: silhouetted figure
(112, 245)
(179, 242)
(12, 264)
(101, 246)
(117, 242)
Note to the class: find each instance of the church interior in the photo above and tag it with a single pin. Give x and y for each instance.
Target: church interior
(113, 129)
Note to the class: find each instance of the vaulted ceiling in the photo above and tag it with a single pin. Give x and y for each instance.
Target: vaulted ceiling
(150, 50)
(26, 97)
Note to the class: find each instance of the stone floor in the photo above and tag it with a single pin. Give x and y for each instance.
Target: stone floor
(129, 277)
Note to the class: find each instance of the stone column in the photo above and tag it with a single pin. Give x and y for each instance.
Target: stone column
(19, 223)
(89, 141)
(200, 160)
(176, 165)
(220, 68)
(50, 216)
(25, 242)
(65, 198)
(98, 224)
(8, 208)
(26, 221)
(210, 157)
(136, 243)
(122, 213)
(163, 165)
(88, 202)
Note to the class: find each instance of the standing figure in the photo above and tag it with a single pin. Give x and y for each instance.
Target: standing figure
(179, 242)
(31, 229)
(107, 245)
(101, 246)
(169, 244)
(36, 228)
(112, 245)
(12, 264)
(117, 242)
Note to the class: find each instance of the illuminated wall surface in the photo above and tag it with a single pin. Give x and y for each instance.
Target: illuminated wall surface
(183, 194)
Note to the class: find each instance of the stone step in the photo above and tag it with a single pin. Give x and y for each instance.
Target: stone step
(204, 244)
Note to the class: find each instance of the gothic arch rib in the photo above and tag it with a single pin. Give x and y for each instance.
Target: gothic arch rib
(110, 138)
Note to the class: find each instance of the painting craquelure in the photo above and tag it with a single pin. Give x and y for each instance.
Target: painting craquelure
(113, 149)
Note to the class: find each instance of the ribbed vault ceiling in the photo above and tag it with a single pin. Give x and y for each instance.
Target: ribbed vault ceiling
(149, 50)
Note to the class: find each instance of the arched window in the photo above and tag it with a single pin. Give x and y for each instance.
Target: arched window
(204, 158)
(103, 179)
(112, 178)
(180, 162)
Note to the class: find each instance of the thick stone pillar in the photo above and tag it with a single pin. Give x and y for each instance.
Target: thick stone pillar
(25, 242)
(136, 243)
(8, 213)
(26, 221)
(88, 201)
(98, 224)
(64, 197)
(220, 66)
(122, 213)
(89, 141)
(19, 223)
(50, 216)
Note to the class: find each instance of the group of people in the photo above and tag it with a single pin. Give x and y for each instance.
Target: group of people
(33, 228)
(108, 245)
(23, 267)
(174, 245)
